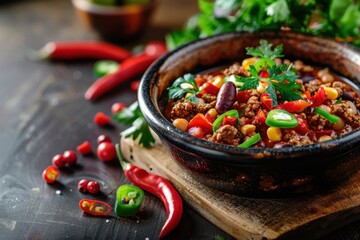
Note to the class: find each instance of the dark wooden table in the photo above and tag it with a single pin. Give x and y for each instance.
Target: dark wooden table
(43, 112)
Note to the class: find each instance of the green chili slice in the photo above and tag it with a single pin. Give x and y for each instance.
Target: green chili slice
(281, 119)
(325, 114)
(219, 120)
(104, 67)
(128, 200)
(251, 141)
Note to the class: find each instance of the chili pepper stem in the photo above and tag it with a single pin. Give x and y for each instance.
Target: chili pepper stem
(125, 165)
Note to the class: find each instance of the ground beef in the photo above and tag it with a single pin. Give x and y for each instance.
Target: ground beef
(344, 111)
(208, 98)
(313, 86)
(203, 108)
(252, 107)
(226, 135)
(183, 109)
(293, 138)
(236, 69)
(317, 122)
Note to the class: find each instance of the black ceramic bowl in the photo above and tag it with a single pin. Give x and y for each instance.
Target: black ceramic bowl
(254, 171)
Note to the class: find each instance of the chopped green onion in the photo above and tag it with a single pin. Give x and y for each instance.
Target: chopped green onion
(325, 114)
(251, 141)
(219, 120)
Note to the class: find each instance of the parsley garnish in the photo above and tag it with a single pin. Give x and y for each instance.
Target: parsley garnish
(265, 51)
(183, 85)
(139, 127)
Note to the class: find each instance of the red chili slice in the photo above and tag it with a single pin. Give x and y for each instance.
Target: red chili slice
(85, 148)
(243, 96)
(266, 100)
(228, 120)
(294, 106)
(318, 98)
(95, 207)
(50, 174)
(200, 121)
(210, 89)
(101, 119)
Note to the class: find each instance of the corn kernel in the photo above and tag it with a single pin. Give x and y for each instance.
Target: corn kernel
(99, 209)
(247, 129)
(217, 81)
(247, 62)
(331, 93)
(213, 112)
(181, 124)
(274, 134)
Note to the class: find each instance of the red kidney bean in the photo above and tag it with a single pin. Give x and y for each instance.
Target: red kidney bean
(347, 96)
(226, 97)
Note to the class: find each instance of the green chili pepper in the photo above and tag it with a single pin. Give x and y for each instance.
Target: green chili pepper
(251, 141)
(219, 120)
(264, 63)
(104, 67)
(128, 200)
(281, 119)
(325, 114)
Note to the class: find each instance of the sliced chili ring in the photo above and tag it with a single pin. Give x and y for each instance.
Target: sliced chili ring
(95, 207)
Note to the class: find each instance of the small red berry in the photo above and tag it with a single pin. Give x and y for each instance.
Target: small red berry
(101, 119)
(103, 138)
(82, 185)
(85, 148)
(58, 160)
(117, 107)
(93, 187)
(70, 157)
(50, 174)
(106, 151)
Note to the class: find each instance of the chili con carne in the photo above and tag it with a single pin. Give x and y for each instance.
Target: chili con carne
(82, 50)
(158, 186)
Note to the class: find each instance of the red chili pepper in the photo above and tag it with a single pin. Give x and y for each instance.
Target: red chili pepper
(318, 98)
(130, 68)
(260, 116)
(101, 119)
(302, 128)
(158, 186)
(83, 50)
(294, 106)
(266, 100)
(85, 148)
(210, 89)
(50, 174)
(197, 132)
(324, 132)
(95, 207)
(228, 120)
(243, 96)
(201, 121)
(209, 117)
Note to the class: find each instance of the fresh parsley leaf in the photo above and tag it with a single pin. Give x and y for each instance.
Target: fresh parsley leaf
(250, 83)
(272, 92)
(183, 85)
(139, 127)
(265, 51)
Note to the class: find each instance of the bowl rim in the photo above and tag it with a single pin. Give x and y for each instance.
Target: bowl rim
(160, 124)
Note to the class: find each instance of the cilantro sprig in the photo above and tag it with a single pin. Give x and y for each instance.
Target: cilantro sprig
(183, 85)
(139, 128)
(265, 51)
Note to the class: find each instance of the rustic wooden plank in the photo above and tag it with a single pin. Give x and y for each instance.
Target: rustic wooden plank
(246, 218)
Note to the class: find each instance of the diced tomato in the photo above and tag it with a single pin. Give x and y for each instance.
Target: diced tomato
(210, 89)
(228, 120)
(209, 117)
(302, 128)
(243, 96)
(201, 121)
(307, 94)
(318, 98)
(199, 80)
(264, 74)
(101, 119)
(266, 100)
(324, 132)
(260, 116)
(196, 132)
(84, 148)
(294, 106)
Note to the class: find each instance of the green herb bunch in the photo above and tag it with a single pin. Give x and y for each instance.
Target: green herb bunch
(338, 19)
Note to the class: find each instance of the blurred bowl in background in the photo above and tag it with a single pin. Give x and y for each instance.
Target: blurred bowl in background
(115, 22)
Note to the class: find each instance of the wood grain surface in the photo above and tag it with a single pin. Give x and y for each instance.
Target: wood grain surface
(307, 217)
(43, 113)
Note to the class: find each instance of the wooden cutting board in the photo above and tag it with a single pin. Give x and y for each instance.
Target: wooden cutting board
(248, 218)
